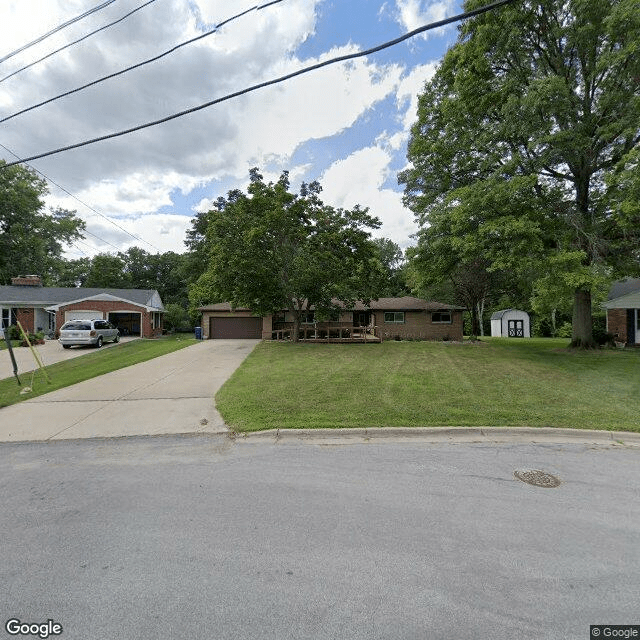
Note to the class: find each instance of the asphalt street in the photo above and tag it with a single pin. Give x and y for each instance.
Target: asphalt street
(207, 537)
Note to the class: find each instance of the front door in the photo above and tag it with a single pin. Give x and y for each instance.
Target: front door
(516, 329)
(361, 318)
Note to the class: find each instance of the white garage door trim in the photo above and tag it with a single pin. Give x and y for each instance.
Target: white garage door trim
(82, 315)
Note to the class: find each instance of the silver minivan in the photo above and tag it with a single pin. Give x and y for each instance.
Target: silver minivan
(87, 332)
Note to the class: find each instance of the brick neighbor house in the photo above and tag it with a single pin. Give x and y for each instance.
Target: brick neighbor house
(135, 312)
(623, 310)
(382, 319)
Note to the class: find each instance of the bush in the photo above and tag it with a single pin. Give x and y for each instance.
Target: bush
(565, 331)
(12, 332)
(542, 328)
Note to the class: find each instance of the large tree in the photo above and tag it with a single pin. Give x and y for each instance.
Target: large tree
(31, 238)
(517, 132)
(270, 249)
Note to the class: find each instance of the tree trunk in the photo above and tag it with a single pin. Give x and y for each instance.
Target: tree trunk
(582, 334)
(296, 327)
(480, 314)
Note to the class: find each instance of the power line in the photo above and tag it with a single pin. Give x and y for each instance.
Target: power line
(84, 204)
(58, 28)
(255, 87)
(66, 46)
(139, 64)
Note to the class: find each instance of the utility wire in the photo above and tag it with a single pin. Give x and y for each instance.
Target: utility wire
(84, 204)
(255, 87)
(58, 28)
(66, 46)
(140, 64)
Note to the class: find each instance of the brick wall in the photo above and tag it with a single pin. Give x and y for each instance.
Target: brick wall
(107, 306)
(617, 323)
(25, 318)
(418, 325)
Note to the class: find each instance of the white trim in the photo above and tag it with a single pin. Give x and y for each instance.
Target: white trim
(104, 297)
(628, 301)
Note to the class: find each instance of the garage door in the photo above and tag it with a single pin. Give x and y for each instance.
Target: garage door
(82, 315)
(235, 328)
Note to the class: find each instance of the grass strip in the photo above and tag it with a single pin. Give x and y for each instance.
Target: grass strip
(499, 382)
(96, 363)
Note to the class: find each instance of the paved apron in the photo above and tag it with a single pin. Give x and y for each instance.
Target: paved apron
(170, 394)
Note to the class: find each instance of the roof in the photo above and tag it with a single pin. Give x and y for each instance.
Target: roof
(46, 296)
(498, 314)
(405, 303)
(623, 288)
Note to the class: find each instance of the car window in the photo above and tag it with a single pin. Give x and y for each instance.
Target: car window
(100, 324)
(76, 326)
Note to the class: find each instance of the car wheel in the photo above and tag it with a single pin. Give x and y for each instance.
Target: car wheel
(117, 337)
(66, 346)
(99, 343)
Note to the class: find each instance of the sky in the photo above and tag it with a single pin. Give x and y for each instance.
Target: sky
(346, 125)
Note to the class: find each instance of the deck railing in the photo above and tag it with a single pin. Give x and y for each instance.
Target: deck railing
(327, 332)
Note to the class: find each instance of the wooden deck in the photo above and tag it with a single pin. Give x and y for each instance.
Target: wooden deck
(340, 333)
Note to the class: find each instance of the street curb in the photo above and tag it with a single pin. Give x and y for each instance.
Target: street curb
(444, 434)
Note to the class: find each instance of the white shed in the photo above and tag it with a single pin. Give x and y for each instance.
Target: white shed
(510, 323)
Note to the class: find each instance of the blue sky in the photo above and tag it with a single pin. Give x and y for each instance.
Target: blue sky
(346, 125)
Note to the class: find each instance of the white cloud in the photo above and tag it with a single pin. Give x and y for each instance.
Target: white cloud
(130, 178)
(359, 179)
(412, 14)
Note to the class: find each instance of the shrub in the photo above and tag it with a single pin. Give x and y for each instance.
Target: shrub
(565, 331)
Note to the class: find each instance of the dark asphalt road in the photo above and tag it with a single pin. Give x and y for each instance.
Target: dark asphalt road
(206, 538)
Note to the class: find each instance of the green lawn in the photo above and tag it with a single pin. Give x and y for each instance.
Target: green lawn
(499, 382)
(87, 366)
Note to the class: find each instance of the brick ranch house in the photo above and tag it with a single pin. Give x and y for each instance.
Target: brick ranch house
(137, 312)
(384, 319)
(623, 310)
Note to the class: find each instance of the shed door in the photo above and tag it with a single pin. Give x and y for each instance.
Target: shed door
(516, 329)
(82, 315)
(235, 328)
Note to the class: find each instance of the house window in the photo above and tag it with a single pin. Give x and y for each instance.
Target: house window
(307, 317)
(8, 317)
(156, 320)
(442, 317)
(394, 317)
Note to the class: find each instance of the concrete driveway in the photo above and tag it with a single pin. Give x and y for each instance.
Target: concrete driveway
(50, 352)
(170, 394)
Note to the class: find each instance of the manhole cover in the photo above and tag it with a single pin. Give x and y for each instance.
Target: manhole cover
(537, 478)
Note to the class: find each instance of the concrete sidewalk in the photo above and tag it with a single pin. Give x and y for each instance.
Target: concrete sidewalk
(170, 394)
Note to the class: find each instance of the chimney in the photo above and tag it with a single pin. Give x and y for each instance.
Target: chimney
(27, 281)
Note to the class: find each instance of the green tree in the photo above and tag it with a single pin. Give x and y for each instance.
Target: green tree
(31, 238)
(176, 317)
(526, 116)
(393, 264)
(70, 273)
(271, 249)
(108, 271)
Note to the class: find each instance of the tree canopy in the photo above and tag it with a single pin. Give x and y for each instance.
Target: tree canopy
(31, 238)
(270, 249)
(519, 133)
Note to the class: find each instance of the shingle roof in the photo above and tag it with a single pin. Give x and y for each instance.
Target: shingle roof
(623, 288)
(405, 303)
(16, 295)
